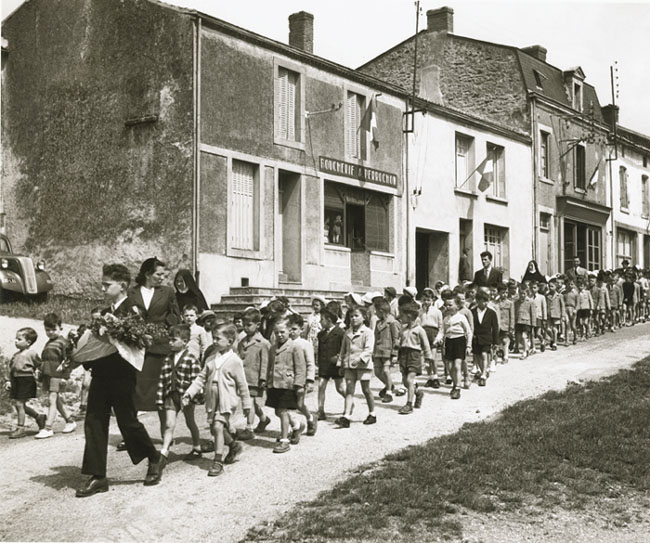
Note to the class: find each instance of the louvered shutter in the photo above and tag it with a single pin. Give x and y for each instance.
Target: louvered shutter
(243, 205)
(283, 114)
(352, 119)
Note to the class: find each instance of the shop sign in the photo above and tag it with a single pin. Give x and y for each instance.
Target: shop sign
(356, 171)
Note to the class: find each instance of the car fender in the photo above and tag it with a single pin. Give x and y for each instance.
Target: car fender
(11, 281)
(43, 281)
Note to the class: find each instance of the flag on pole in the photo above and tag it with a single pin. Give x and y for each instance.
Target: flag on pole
(486, 170)
(369, 122)
(594, 176)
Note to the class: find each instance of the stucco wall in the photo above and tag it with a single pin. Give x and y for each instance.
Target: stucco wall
(80, 187)
(432, 167)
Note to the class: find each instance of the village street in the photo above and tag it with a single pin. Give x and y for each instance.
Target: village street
(37, 479)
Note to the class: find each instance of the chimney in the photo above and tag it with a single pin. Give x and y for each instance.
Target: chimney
(440, 20)
(610, 114)
(301, 31)
(536, 51)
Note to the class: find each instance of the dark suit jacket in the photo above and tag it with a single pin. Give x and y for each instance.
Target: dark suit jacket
(486, 332)
(162, 310)
(329, 345)
(492, 280)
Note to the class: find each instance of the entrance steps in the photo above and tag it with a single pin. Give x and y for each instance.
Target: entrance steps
(242, 297)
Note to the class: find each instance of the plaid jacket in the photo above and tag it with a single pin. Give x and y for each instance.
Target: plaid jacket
(187, 369)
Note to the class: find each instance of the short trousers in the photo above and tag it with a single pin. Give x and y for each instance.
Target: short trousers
(432, 333)
(477, 348)
(503, 334)
(539, 323)
(381, 362)
(172, 401)
(410, 361)
(357, 374)
(328, 369)
(23, 388)
(455, 348)
(584, 313)
(281, 398)
(555, 321)
(628, 302)
(521, 328)
(215, 416)
(53, 384)
(255, 392)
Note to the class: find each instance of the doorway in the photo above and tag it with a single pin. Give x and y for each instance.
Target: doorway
(289, 246)
(431, 258)
(465, 244)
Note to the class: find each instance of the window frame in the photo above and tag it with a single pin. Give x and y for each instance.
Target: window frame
(258, 197)
(624, 189)
(577, 101)
(498, 170)
(579, 148)
(645, 196)
(362, 136)
(630, 242)
(501, 251)
(278, 139)
(468, 184)
(544, 158)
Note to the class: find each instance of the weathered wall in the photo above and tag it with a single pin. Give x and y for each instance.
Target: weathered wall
(479, 78)
(81, 188)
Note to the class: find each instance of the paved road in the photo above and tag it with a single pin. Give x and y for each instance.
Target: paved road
(37, 479)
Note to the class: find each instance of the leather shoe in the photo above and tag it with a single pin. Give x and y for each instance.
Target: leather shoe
(93, 486)
(154, 473)
(121, 446)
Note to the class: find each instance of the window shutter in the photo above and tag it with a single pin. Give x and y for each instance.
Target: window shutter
(283, 114)
(352, 119)
(377, 224)
(243, 205)
(292, 84)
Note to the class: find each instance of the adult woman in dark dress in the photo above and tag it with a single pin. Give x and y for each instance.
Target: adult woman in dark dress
(187, 291)
(533, 273)
(157, 304)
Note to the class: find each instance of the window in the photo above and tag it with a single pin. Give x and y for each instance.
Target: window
(496, 154)
(583, 240)
(645, 161)
(356, 136)
(496, 243)
(625, 245)
(538, 79)
(355, 218)
(244, 206)
(544, 140)
(625, 197)
(579, 175)
(464, 162)
(645, 210)
(577, 96)
(545, 221)
(288, 107)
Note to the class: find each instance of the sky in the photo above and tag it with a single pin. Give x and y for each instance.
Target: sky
(591, 34)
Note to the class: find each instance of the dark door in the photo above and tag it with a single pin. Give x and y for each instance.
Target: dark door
(421, 261)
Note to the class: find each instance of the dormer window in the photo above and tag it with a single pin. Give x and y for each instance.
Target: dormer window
(539, 79)
(577, 95)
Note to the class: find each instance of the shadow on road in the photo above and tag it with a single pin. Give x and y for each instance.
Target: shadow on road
(60, 477)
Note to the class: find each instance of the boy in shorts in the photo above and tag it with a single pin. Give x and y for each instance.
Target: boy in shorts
(54, 375)
(179, 369)
(413, 345)
(486, 334)
(556, 308)
(506, 308)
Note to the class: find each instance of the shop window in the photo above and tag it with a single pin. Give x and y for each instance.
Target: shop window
(624, 195)
(496, 239)
(496, 154)
(464, 162)
(645, 197)
(355, 218)
(583, 240)
(288, 106)
(244, 206)
(544, 140)
(579, 175)
(355, 135)
(625, 246)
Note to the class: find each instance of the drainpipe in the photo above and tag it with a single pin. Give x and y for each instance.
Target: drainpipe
(407, 200)
(196, 177)
(533, 116)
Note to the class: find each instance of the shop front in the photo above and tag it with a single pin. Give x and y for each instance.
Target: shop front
(361, 210)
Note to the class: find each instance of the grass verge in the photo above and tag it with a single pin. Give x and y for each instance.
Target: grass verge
(565, 449)
(71, 310)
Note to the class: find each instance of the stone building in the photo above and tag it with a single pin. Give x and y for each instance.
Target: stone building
(133, 129)
(518, 90)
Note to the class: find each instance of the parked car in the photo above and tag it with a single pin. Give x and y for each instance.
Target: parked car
(19, 276)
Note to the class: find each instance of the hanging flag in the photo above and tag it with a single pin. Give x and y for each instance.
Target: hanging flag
(594, 176)
(486, 170)
(369, 121)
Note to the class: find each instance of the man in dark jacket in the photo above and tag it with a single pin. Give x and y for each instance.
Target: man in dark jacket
(488, 276)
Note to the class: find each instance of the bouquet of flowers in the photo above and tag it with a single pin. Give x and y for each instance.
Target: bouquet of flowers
(129, 336)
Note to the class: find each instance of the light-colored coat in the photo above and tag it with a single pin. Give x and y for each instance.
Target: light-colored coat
(230, 379)
(356, 350)
(287, 367)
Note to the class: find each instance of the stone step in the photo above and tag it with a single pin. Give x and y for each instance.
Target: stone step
(262, 291)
